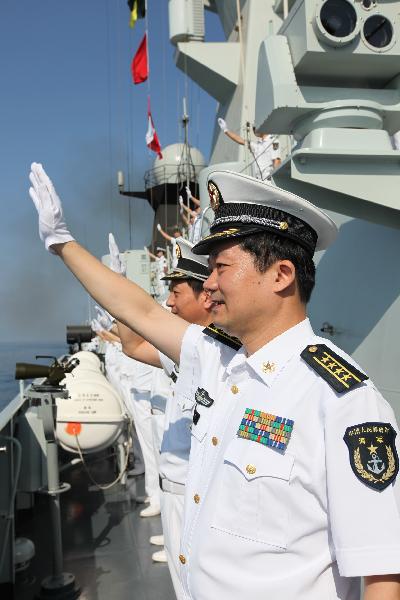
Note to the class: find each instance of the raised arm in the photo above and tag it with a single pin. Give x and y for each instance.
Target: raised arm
(122, 298)
(190, 196)
(163, 233)
(233, 136)
(382, 587)
(189, 211)
(136, 347)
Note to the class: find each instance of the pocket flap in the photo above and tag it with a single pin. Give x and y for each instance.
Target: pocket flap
(256, 460)
(200, 430)
(184, 402)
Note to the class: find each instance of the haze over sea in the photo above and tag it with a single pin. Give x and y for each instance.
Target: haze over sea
(13, 352)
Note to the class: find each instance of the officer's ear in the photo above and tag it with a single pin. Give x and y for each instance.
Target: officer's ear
(206, 300)
(284, 277)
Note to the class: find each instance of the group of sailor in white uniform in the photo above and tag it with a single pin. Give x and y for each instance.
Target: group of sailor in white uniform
(286, 452)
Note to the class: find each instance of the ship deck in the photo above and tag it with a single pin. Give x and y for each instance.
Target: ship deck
(106, 542)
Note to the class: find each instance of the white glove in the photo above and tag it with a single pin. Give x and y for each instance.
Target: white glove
(180, 201)
(158, 227)
(95, 325)
(188, 192)
(104, 318)
(222, 124)
(116, 263)
(52, 227)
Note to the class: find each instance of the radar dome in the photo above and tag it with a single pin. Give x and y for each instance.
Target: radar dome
(175, 163)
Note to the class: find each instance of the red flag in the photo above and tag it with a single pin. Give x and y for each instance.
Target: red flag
(140, 65)
(151, 136)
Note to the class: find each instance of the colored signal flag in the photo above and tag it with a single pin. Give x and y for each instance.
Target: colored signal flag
(152, 137)
(138, 10)
(140, 64)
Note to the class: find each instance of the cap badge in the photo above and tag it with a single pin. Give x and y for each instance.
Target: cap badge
(215, 196)
(178, 251)
(265, 428)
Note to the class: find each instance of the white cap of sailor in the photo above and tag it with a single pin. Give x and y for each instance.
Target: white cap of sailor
(244, 205)
(189, 266)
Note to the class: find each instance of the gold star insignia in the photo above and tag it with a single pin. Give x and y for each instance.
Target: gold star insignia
(268, 367)
(372, 449)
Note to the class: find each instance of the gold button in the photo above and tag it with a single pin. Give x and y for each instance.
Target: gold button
(251, 469)
(268, 367)
(196, 498)
(182, 559)
(283, 225)
(234, 389)
(214, 441)
(312, 349)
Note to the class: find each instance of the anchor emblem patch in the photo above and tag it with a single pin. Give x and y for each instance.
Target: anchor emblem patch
(373, 455)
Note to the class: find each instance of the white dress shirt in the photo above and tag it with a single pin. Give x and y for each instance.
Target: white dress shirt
(265, 151)
(261, 522)
(175, 446)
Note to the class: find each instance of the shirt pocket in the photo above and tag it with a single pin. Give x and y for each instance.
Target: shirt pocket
(253, 493)
(200, 429)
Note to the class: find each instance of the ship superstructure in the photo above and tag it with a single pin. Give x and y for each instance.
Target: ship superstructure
(323, 75)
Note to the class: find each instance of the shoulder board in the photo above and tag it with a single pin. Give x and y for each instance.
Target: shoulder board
(336, 371)
(221, 336)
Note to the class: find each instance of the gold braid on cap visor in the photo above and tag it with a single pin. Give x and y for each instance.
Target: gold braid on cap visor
(232, 214)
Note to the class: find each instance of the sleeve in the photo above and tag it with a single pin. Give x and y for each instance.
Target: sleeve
(361, 435)
(189, 365)
(166, 363)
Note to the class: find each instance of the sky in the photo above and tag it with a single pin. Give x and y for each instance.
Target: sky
(68, 101)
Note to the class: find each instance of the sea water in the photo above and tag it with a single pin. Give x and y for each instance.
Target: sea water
(13, 352)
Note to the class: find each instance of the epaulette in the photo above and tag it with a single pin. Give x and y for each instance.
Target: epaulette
(221, 336)
(340, 374)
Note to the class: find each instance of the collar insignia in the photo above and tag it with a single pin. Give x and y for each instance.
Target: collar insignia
(215, 196)
(340, 374)
(203, 397)
(266, 429)
(220, 335)
(373, 455)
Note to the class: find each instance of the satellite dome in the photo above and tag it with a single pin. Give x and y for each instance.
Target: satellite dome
(175, 163)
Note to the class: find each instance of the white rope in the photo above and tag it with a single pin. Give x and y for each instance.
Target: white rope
(107, 486)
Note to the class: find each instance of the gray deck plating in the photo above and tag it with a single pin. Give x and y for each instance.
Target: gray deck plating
(106, 542)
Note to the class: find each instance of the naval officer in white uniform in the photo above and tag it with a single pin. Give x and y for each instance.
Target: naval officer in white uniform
(293, 486)
(265, 150)
(188, 300)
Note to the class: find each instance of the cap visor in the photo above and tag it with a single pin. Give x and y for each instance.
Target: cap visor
(205, 245)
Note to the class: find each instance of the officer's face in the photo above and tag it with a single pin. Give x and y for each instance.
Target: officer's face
(183, 301)
(243, 299)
